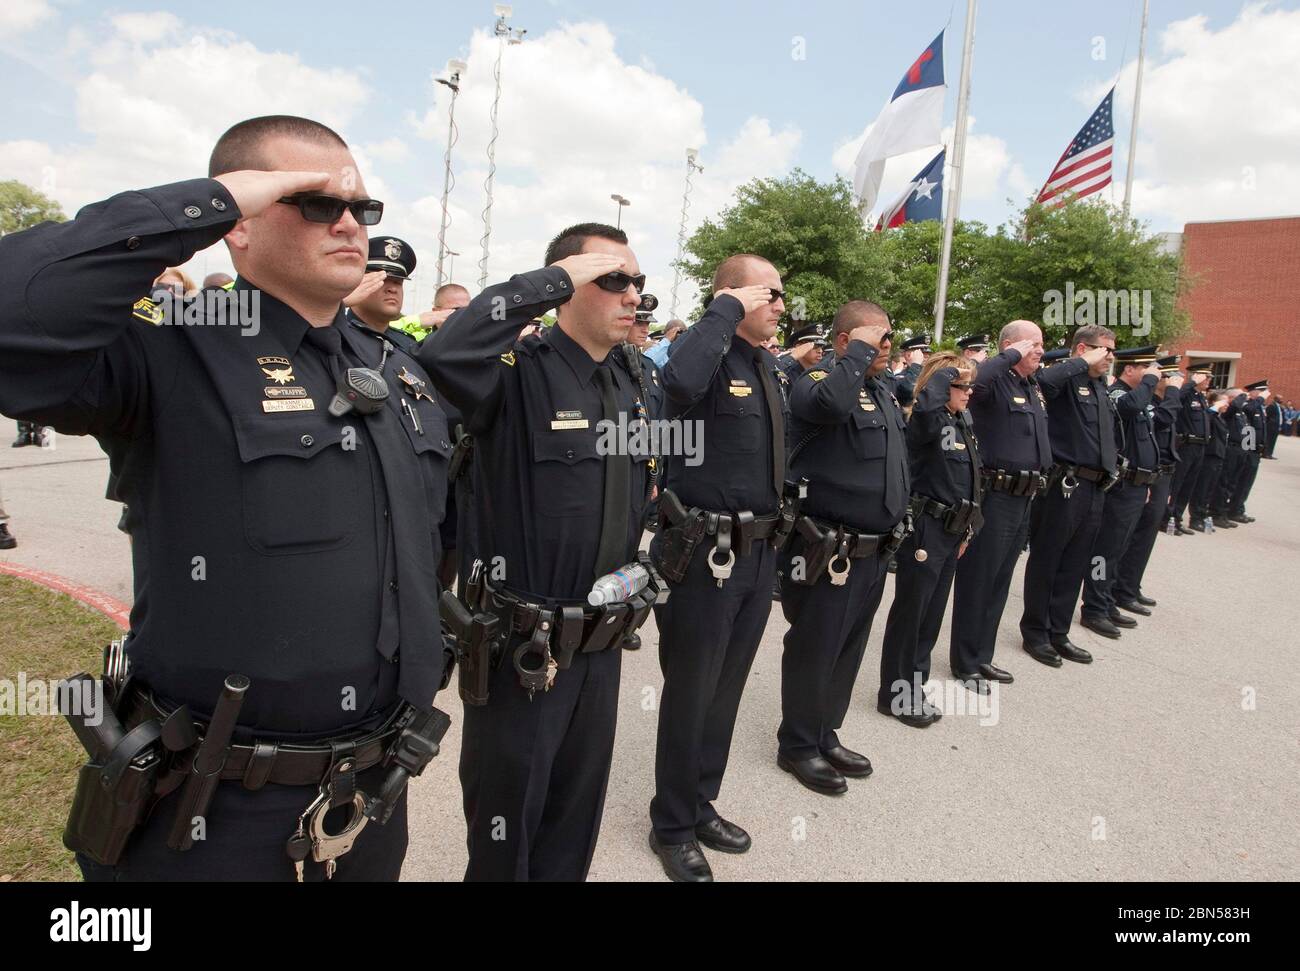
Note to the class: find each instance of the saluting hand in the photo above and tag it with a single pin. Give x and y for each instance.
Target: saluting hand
(872, 334)
(1175, 380)
(433, 319)
(254, 191)
(751, 298)
(1095, 355)
(1025, 348)
(585, 267)
(1153, 369)
(371, 282)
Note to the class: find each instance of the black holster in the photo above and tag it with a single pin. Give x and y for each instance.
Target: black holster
(475, 635)
(817, 547)
(461, 454)
(791, 501)
(964, 517)
(681, 533)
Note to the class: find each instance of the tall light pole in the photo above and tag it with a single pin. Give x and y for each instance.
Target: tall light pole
(505, 35)
(1137, 104)
(692, 166)
(454, 70)
(621, 203)
(451, 264)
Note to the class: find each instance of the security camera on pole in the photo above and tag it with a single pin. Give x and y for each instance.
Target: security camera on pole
(505, 35)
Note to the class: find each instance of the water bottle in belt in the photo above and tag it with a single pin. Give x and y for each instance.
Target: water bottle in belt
(623, 584)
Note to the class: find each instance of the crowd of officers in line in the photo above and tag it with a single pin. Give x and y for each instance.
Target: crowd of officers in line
(460, 451)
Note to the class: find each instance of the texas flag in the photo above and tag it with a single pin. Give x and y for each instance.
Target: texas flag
(921, 200)
(910, 120)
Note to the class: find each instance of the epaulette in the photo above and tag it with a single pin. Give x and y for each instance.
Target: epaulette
(148, 311)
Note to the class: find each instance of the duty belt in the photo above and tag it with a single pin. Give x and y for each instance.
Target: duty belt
(1168, 469)
(1139, 476)
(1069, 475)
(1026, 484)
(279, 763)
(856, 546)
(1192, 440)
(964, 517)
(828, 548)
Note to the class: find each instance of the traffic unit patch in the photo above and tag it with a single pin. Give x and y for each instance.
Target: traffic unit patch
(148, 311)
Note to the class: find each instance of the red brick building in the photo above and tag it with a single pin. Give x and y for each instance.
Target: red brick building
(1245, 302)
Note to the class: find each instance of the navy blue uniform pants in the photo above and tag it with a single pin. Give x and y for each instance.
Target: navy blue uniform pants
(1120, 515)
(1190, 459)
(983, 580)
(1133, 564)
(1059, 555)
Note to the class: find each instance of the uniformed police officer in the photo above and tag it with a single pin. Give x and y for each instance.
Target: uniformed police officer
(1010, 418)
(848, 443)
(1131, 395)
(1253, 444)
(1205, 496)
(945, 508)
(274, 537)
(974, 347)
(1239, 435)
(377, 301)
(1193, 435)
(914, 350)
(806, 347)
(1081, 424)
(1166, 407)
(553, 514)
(721, 579)
(639, 338)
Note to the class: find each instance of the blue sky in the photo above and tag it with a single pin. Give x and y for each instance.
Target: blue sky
(723, 73)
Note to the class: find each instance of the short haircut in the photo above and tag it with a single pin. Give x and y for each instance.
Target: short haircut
(571, 241)
(941, 360)
(1089, 333)
(445, 290)
(1009, 333)
(241, 147)
(731, 272)
(854, 314)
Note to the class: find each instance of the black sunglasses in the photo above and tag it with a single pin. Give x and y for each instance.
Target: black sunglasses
(327, 209)
(618, 281)
(776, 295)
(960, 387)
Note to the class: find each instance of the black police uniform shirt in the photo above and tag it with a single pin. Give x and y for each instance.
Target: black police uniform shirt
(1218, 446)
(398, 338)
(534, 408)
(944, 455)
(1236, 419)
(717, 378)
(654, 385)
(1165, 412)
(1010, 416)
(270, 539)
(848, 439)
(1254, 408)
(1194, 415)
(1077, 404)
(1137, 422)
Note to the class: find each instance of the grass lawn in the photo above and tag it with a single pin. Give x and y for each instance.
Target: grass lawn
(49, 636)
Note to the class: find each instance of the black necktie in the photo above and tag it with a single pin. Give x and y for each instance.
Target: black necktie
(618, 487)
(777, 416)
(895, 451)
(1106, 426)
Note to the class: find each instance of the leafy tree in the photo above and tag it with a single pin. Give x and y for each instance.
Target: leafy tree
(21, 206)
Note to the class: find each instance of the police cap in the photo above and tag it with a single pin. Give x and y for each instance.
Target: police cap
(392, 255)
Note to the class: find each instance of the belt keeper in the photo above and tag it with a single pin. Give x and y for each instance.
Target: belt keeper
(260, 764)
(342, 780)
(723, 533)
(570, 636)
(744, 523)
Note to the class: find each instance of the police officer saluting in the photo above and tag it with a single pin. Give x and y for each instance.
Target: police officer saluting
(377, 300)
(1010, 418)
(555, 511)
(974, 347)
(1130, 395)
(1081, 424)
(715, 546)
(848, 442)
(1192, 433)
(284, 548)
(914, 350)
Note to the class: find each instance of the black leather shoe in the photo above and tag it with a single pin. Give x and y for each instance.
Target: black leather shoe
(1145, 601)
(1133, 607)
(1182, 530)
(994, 673)
(1044, 653)
(23, 440)
(1222, 522)
(1196, 526)
(973, 682)
(1072, 652)
(718, 834)
(848, 762)
(1100, 625)
(632, 642)
(1120, 620)
(7, 541)
(1242, 519)
(923, 719)
(683, 862)
(816, 774)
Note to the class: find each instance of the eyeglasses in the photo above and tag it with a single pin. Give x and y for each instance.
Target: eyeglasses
(1100, 347)
(776, 294)
(327, 209)
(960, 387)
(618, 281)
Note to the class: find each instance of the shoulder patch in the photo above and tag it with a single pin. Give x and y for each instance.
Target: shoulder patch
(817, 375)
(508, 358)
(148, 311)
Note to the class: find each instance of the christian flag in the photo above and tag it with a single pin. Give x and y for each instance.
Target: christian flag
(1085, 166)
(910, 120)
(921, 200)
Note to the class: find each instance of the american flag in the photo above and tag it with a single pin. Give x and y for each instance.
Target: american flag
(1085, 166)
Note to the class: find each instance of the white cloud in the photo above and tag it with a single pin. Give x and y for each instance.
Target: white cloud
(1219, 133)
(991, 172)
(19, 15)
(578, 123)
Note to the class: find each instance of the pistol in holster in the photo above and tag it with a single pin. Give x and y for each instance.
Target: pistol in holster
(817, 547)
(791, 502)
(416, 745)
(475, 634)
(681, 532)
(461, 454)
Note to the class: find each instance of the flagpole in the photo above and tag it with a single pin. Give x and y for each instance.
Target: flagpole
(1137, 103)
(958, 163)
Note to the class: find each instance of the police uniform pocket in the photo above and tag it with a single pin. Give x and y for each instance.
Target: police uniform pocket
(869, 439)
(301, 483)
(1021, 417)
(562, 474)
(737, 419)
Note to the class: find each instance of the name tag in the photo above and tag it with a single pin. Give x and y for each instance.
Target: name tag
(1019, 401)
(1084, 392)
(569, 423)
(289, 404)
(959, 445)
(741, 391)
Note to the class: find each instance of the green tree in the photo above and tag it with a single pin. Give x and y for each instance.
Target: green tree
(812, 233)
(21, 206)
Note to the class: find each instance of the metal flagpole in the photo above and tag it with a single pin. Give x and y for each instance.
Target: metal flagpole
(1137, 103)
(958, 163)
(454, 68)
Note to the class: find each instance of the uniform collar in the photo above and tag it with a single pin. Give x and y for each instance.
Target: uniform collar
(747, 352)
(282, 320)
(579, 361)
